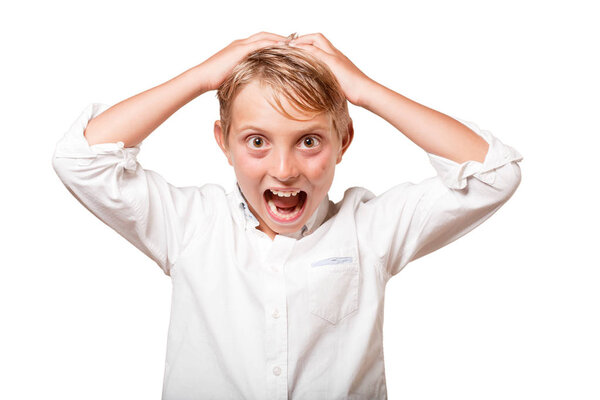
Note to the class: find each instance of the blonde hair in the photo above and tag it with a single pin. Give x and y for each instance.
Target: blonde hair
(306, 82)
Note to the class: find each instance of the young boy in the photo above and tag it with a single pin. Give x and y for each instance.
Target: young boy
(277, 291)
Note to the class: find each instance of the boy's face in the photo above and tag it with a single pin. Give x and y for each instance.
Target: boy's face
(270, 152)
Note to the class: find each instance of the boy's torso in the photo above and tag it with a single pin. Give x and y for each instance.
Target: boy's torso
(255, 318)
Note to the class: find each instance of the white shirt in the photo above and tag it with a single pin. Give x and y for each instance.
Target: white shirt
(299, 317)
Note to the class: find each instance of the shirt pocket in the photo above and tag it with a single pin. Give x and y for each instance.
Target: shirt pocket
(333, 284)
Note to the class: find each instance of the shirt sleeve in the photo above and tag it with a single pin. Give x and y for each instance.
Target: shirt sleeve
(412, 220)
(155, 216)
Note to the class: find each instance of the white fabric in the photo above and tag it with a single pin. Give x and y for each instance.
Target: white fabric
(300, 317)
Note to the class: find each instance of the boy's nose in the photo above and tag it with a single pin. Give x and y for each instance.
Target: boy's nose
(284, 167)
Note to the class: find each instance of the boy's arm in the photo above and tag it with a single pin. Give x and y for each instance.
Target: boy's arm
(139, 204)
(412, 220)
(434, 132)
(100, 168)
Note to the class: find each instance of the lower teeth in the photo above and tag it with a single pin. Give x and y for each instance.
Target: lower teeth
(281, 215)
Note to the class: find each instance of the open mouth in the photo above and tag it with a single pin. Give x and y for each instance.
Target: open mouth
(285, 209)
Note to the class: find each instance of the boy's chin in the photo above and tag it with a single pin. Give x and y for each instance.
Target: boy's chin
(288, 228)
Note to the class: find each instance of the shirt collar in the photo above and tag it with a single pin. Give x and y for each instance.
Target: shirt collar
(311, 225)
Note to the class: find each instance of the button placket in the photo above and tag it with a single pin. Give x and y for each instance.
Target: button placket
(275, 303)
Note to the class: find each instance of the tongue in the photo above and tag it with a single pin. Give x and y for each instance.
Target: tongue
(286, 202)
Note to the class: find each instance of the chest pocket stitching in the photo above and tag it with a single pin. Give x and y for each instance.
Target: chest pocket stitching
(333, 288)
(332, 260)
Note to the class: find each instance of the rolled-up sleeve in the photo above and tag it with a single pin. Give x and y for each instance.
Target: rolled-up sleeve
(455, 175)
(139, 204)
(414, 219)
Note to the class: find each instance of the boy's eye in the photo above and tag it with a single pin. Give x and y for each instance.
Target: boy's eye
(310, 142)
(256, 142)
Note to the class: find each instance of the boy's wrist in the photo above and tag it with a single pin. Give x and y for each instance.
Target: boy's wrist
(369, 90)
(197, 79)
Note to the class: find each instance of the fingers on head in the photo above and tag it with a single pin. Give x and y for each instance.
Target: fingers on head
(318, 38)
(259, 44)
(292, 36)
(313, 49)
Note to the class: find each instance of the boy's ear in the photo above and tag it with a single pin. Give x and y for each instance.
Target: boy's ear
(221, 140)
(346, 142)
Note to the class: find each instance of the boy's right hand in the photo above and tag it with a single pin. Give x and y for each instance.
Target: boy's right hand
(219, 66)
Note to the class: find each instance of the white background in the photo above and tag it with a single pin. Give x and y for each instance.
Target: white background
(510, 311)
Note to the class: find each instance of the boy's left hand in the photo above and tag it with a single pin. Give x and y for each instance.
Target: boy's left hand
(353, 81)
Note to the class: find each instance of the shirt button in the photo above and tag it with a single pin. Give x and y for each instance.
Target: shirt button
(276, 371)
(275, 314)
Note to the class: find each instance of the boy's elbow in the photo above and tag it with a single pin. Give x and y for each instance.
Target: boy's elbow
(57, 166)
(68, 168)
(61, 169)
(514, 177)
(508, 180)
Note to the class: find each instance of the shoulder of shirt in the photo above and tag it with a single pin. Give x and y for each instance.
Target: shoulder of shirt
(209, 193)
(352, 197)
(355, 196)
(213, 188)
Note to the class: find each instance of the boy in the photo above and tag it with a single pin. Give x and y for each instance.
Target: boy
(277, 291)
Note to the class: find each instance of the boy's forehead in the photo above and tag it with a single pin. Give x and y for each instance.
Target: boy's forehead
(255, 107)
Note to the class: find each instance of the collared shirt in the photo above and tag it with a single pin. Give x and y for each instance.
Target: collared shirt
(297, 317)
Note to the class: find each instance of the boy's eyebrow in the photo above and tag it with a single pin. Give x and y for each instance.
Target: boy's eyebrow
(301, 131)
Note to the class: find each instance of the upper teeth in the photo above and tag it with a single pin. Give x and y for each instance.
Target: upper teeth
(284, 194)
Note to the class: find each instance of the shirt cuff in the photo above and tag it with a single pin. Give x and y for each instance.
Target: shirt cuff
(74, 144)
(455, 175)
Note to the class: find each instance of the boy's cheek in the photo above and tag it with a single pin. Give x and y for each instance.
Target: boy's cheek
(248, 163)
